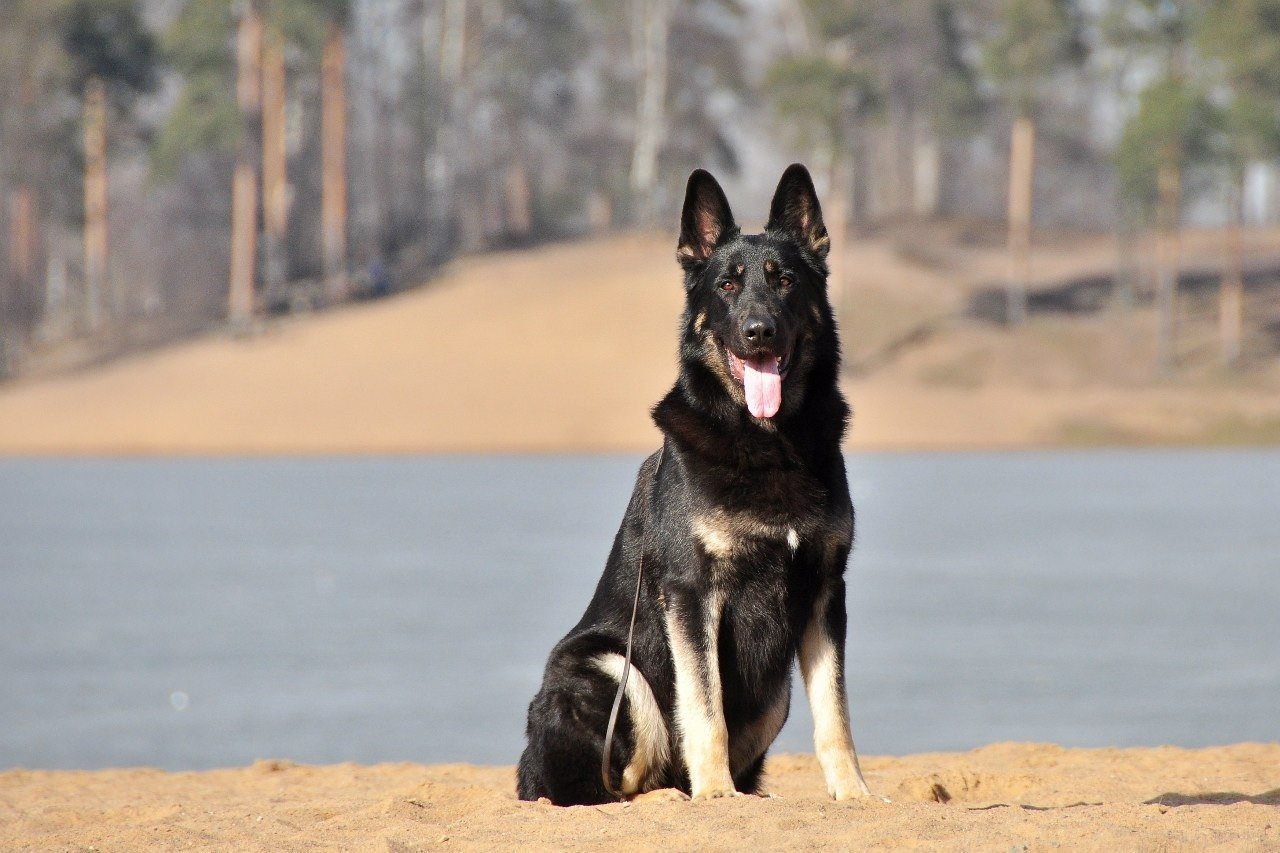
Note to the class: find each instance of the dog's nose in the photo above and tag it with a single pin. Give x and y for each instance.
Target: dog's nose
(759, 330)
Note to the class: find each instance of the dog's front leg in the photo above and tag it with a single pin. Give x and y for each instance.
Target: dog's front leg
(693, 628)
(822, 665)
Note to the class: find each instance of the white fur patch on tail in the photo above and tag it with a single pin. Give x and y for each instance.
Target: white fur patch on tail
(653, 745)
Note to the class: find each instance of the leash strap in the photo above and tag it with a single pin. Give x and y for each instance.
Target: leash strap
(606, 756)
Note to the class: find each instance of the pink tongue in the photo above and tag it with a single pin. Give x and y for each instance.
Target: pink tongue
(763, 385)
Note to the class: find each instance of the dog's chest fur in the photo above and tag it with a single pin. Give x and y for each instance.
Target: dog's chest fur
(761, 558)
(774, 519)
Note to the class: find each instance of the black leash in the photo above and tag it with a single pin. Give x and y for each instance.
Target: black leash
(626, 664)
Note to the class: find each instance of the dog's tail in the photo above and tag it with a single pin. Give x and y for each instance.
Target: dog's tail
(653, 744)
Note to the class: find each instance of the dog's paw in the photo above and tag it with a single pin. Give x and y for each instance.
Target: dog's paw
(849, 789)
(716, 793)
(661, 795)
(842, 796)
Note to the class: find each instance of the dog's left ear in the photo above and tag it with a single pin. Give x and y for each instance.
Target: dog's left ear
(795, 211)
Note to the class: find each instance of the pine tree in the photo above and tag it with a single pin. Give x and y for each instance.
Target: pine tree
(1243, 37)
(1171, 129)
(1034, 42)
(233, 100)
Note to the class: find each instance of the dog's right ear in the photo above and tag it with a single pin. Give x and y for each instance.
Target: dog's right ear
(705, 222)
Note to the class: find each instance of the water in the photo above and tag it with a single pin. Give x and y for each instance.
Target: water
(201, 613)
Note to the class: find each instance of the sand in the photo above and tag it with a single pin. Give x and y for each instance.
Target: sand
(566, 347)
(1001, 797)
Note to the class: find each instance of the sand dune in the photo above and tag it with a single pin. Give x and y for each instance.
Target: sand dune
(520, 351)
(566, 347)
(1001, 797)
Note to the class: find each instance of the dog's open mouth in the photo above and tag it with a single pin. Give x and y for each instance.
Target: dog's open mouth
(761, 380)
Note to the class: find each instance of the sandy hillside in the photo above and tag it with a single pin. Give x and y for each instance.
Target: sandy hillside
(1002, 797)
(566, 347)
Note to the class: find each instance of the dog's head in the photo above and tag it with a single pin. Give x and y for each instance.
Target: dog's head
(757, 316)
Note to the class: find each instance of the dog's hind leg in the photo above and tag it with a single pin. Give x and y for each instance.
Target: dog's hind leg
(822, 665)
(652, 750)
(566, 735)
(561, 761)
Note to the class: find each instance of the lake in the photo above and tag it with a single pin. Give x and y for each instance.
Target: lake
(197, 613)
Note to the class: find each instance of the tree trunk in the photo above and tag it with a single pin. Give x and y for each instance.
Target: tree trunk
(1168, 250)
(448, 56)
(927, 164)
(1124, 291)
(883, 192)
(244, 189)
(95, 202)
(1231, 297)
(599, 211)
(1021, 184)
(471, 212)
(453, 39)
(651, 24)
(519, 199)
(860, 184)
(333, 145)
(57, 316)
(15, 324)
(22, 236)
(902, 152)
(16, 303)
(383, 181)
(836, 214)
(275, 177)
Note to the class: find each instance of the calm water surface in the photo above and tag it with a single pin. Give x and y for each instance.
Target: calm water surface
(201, 613)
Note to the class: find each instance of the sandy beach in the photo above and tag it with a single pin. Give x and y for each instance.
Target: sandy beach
(1001, 797)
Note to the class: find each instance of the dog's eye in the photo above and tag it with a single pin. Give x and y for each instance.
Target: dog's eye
(728, 286)
(785, 281)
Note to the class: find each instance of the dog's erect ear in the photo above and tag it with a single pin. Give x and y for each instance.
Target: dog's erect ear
(795, 210)
(706, 220)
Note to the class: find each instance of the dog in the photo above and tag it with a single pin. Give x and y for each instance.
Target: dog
(739, 528)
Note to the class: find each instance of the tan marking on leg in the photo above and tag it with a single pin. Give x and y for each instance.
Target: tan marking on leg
(832, 740)
(700, 707)
(652, 743)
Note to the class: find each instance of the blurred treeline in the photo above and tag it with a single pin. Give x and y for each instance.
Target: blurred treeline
(167, 165)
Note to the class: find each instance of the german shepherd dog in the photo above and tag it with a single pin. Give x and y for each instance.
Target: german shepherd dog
(741, 525)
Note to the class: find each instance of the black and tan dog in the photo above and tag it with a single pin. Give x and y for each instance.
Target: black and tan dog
(743, 523)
